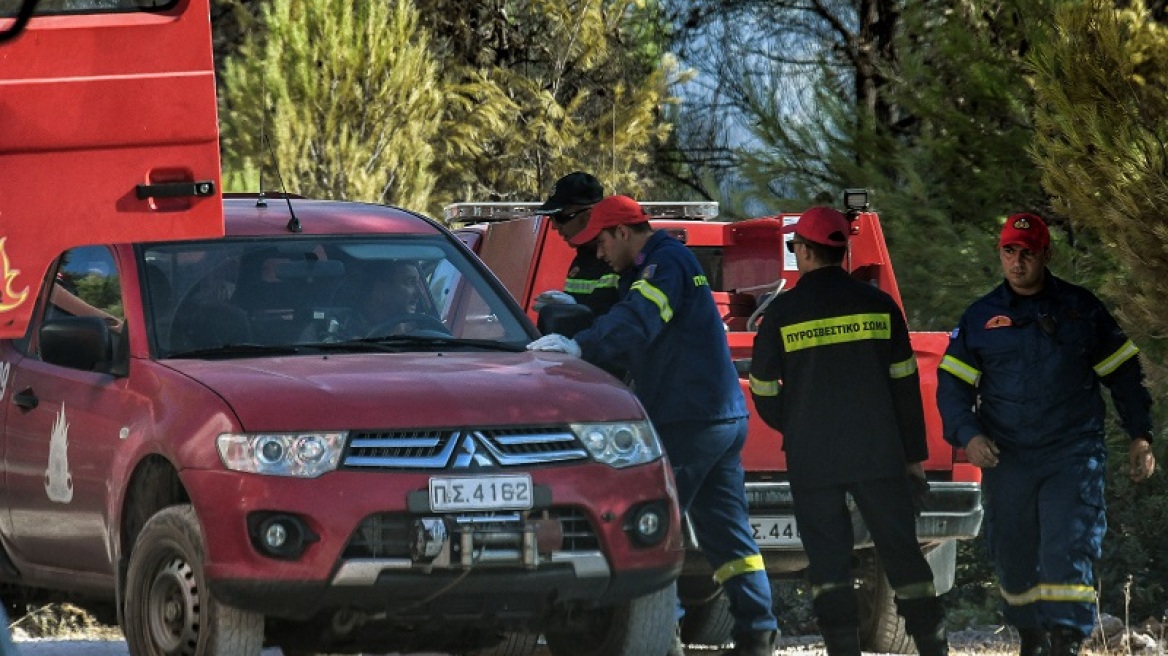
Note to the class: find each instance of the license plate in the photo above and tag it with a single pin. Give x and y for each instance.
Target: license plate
(455, 494)
(775, 531)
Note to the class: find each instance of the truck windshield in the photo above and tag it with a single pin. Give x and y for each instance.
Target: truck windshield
(312, 291)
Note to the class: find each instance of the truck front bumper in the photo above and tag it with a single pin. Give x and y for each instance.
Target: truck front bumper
(952, 511)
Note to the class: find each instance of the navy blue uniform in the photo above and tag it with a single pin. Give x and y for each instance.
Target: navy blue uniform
(1025, 371)
(833, 370)
(667, 332)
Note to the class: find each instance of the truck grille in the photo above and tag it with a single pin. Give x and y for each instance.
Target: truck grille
(387, 535)
(440, 449)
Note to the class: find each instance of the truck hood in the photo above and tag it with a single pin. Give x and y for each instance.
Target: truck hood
(412, 390)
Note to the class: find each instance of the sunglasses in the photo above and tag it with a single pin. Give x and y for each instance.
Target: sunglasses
(563, 217)
(791, 244)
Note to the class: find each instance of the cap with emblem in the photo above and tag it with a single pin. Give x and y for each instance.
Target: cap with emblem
(577, 188)
(822, 225)
(1026, 230)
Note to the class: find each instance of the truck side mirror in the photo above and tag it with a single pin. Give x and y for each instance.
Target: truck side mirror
(564, 319)
(77, 342)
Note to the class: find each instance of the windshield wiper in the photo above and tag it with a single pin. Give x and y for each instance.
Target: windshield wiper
(236, 350)
(397, 343)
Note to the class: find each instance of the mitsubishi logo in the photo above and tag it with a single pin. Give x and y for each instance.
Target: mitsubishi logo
(469, 453)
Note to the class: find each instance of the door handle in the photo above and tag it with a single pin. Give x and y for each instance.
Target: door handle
(26, 399)
(195, 188)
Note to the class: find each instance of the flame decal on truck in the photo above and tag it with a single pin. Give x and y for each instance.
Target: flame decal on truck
(9, 299)
(58, 480)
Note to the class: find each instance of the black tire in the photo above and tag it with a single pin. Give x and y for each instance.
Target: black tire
(881, 629)
(169, 610)
(708, 623)
(641, 627)
(513, 644)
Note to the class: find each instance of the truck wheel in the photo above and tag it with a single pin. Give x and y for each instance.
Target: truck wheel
(513, 644)
(169, 610)
(641, 627)
(881, 629)
(708, 623)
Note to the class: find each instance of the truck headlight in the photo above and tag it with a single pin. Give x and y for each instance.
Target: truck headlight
(621, 444)
(303, 455)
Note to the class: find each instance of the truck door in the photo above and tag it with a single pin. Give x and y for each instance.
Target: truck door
(64, 427)
(108, 133)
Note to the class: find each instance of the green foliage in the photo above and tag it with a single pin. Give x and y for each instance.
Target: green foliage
(102, 292)
(1101, 114)
(1135, 555)
(350, 96)
(543, 87)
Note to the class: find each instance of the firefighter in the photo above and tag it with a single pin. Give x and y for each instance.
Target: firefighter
(667, 330)
(590, 281)
(833, 370)
(1019, 389)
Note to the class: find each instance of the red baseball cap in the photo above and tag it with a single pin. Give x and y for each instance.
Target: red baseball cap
(1026, 230)
(822, 225)
(609, 213)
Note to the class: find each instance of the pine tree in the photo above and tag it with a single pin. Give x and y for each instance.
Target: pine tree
(347, 95)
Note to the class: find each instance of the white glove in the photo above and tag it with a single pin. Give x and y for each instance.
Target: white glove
(556, 344)
(552, 297)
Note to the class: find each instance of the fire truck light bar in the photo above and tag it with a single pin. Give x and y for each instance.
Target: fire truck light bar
(485, 212)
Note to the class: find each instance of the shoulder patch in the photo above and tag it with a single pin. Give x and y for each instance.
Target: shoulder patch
(955, 332)
(999, 321)
(648, 272)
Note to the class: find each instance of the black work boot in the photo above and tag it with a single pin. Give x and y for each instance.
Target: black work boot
(934, 643)
(1035, 642)
(842, 642)
(1065, 641)
(676, 648)
(755, 643)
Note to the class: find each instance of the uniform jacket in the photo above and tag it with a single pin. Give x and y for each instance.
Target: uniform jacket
(667, 331)
(1026, 370)
(591, 281)
(834, 371)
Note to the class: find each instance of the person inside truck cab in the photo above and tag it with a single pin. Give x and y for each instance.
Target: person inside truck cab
(833, 370)
(590, 280)
(390, 301)
(666, 329)
(1019, 388)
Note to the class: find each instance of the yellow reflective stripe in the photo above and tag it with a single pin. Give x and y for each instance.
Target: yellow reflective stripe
(903, 369)
(741, 566)
(764, 387)
(823, 588)
(836, 330)
(960, 369)
(587, 286)
(922, 590)
(1077, 593)
(655, 295)
(1112, 362)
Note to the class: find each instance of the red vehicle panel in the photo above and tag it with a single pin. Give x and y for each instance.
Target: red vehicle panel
(98, 119)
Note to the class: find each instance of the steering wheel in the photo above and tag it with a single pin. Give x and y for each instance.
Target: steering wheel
(423, 321)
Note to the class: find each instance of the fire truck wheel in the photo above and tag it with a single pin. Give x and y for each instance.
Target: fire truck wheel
(881, 629)
(641, 626)
(169, 608)
(513, 644)
(708, 623)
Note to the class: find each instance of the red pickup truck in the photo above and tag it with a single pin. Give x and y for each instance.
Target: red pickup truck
(746, 263)
(222, 443)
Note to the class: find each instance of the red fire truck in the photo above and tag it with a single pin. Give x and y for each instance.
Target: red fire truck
(747, 263)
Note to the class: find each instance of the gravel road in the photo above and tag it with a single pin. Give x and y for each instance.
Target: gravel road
(986, 642)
